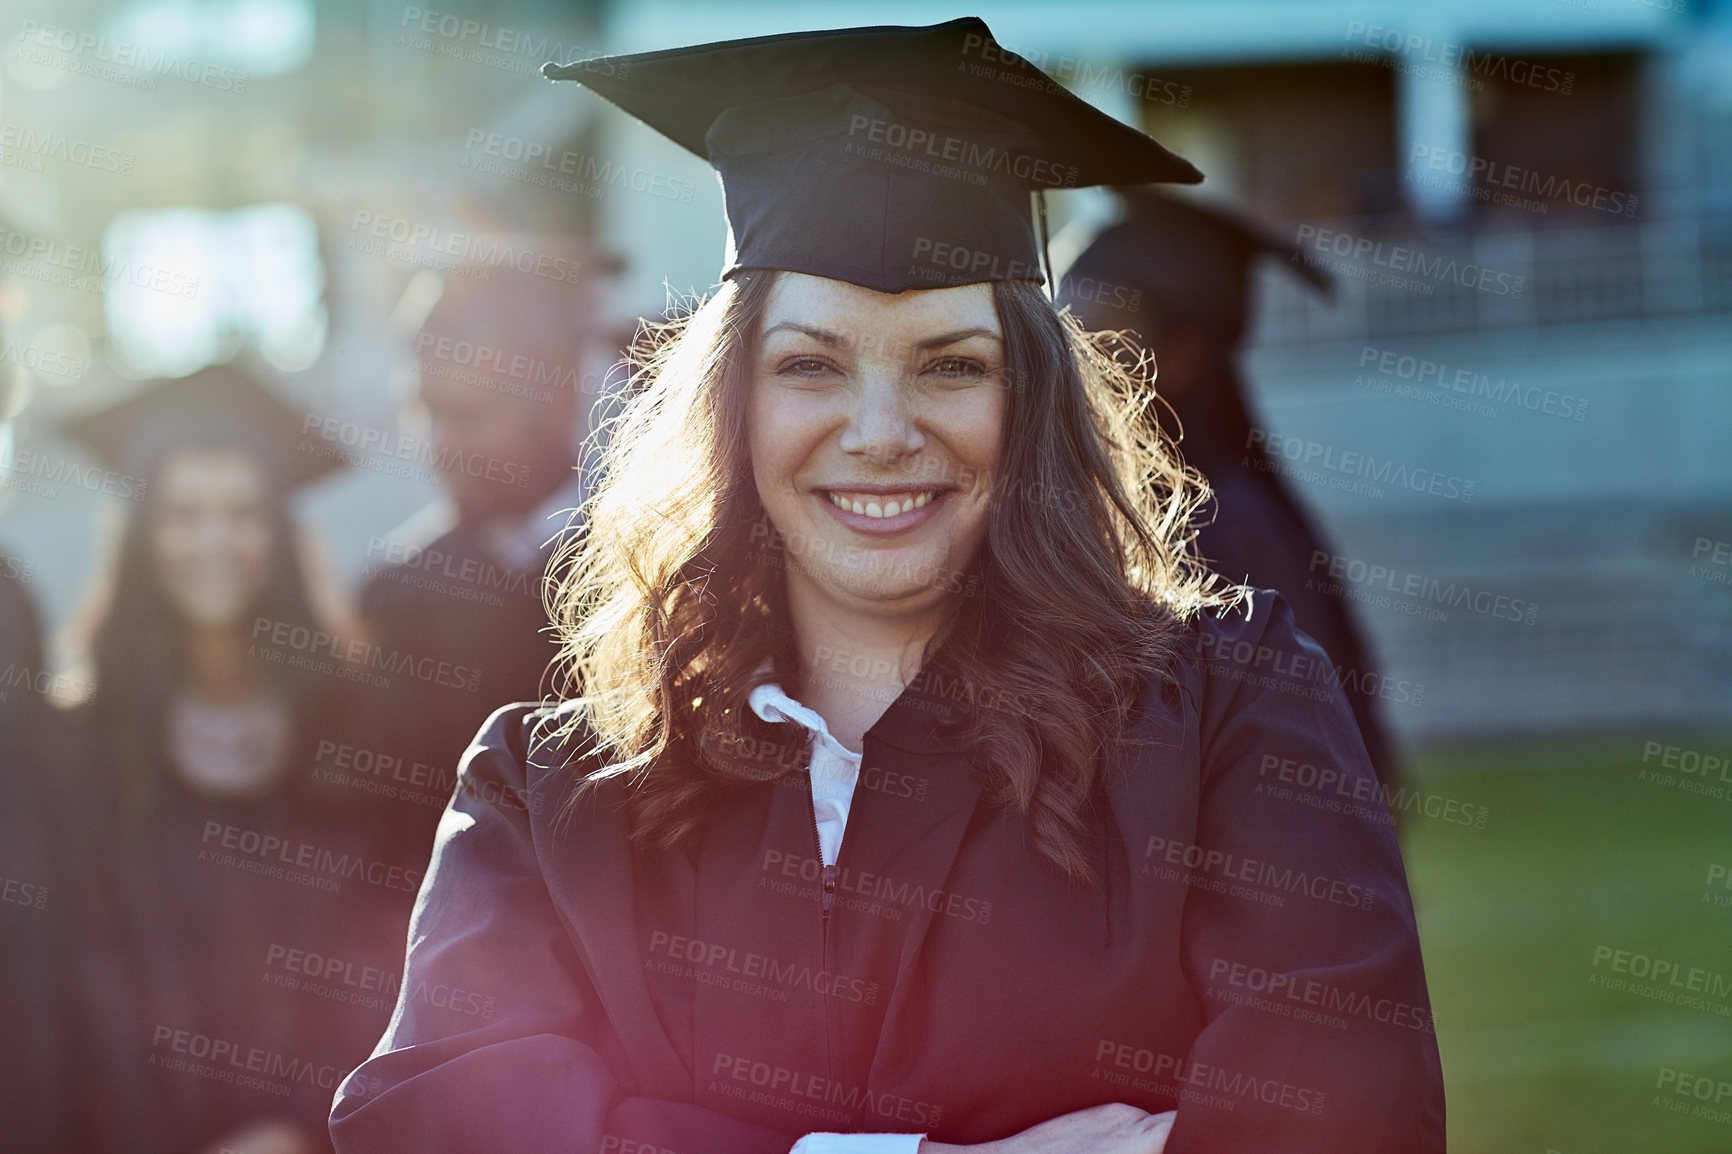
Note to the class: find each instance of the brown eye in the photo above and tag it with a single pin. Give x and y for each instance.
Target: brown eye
(958, 368)
(802, 367)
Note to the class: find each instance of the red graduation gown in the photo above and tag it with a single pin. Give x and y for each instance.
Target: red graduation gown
(1250, 960)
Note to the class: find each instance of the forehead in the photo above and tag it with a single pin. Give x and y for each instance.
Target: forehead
(195, 473)
(851, 311)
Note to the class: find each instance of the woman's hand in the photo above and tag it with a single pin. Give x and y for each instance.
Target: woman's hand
(269, 1136)
(1115, 1128)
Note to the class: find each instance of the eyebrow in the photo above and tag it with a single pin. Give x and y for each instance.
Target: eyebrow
(836, 340)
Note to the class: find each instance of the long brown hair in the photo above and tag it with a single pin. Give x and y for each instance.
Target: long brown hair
(672, 600)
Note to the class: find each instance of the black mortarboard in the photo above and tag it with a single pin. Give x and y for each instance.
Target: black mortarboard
(892, 158)
(220, 407)
(1189, 259)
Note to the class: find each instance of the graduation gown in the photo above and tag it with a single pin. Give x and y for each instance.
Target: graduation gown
(36, 1096)
(226, 966)
(459, 604)
(1258, 534)
(1251, 958)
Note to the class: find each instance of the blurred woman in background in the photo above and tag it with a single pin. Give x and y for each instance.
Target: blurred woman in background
(216, 863)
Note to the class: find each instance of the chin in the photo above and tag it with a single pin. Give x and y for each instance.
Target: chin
(905, 581)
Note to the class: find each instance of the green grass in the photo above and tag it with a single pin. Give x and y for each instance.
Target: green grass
(1577, 853)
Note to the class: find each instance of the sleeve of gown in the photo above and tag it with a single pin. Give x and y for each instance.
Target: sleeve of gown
(1299, 935)
(531, 1073)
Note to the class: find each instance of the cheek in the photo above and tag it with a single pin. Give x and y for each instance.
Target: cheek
(171, 544)
(253, 544)
(780, 435)
(976, 430)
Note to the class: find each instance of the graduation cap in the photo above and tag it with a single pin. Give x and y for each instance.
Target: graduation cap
(219, 407)
(1193, 260)
(890, 157)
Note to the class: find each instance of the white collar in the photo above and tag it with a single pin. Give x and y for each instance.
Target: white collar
(771, 704)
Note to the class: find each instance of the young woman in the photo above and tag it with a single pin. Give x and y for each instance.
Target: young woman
(923, 793)
(215, 858)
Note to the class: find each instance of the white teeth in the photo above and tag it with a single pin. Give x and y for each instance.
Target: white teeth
(877, 510)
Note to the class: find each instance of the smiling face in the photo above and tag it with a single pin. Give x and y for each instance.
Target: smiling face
(211, 538)
(874, 423)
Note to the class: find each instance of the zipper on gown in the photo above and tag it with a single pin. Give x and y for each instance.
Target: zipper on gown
(829, 880)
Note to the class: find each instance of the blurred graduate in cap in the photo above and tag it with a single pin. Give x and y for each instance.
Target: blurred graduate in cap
(212, 849)
(1177, 275)
(915, 797)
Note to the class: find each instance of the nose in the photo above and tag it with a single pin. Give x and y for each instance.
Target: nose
(881, 425)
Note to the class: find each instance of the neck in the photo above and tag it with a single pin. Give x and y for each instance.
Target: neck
(854, 664)
(220, 669)
(509, 503)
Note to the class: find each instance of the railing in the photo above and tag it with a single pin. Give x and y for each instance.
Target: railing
(1501, 277)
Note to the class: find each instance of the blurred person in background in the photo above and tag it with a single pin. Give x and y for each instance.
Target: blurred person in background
(1176, 276)
(504, 392)
(37, 1095)
(214, 856)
